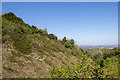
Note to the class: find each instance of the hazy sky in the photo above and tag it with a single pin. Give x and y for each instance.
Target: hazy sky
(88, 23)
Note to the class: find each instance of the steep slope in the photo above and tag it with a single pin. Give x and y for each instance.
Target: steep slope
(29, 52)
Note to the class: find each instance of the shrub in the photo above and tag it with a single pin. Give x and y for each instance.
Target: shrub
(81, 70)
(34, 29)
(22, 43)
(11, 17)
(42, 32)
(71, 41)
(64, 40)
(52, 36)
(5, 38)
(68, 44)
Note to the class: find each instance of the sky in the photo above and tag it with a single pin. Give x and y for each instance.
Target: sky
(88, 23)
(60, 0)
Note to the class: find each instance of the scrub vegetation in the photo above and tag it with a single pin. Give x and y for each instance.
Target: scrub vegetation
(29, 52)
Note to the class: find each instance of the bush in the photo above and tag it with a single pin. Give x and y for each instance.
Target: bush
(71, 41)
(42, 32)
(74, 53)
(81, 70)
(64, 40)
(5, 38)
(22, 43)
(68, 45)
(52, 36)
(11, 17)
(34, 29)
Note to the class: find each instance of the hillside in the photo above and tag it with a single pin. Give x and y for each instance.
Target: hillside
(28, 52)
(31, 52)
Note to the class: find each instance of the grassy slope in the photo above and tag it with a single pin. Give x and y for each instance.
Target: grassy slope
(28, 52)
(41, 53)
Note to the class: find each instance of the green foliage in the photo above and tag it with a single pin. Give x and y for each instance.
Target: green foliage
(42, 32)
(5, 38)
(25, 39)
(34, 29)
(64, 40)
(76, 53)
(68, 44)
(111, 67)
(17, 33)
(16, 53)
(87, 68)
(11, 17)
(81, 70)
(71, 41)
(52, 36)
(22, 43)
(117, 51)
(97, 57)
